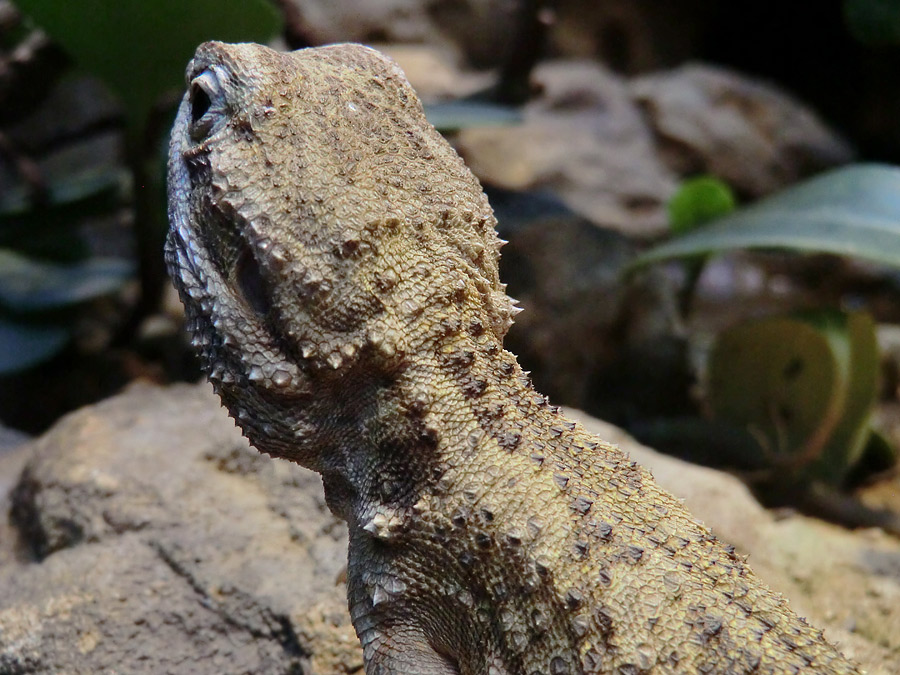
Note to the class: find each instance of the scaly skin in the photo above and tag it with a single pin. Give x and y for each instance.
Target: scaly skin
(338, 263)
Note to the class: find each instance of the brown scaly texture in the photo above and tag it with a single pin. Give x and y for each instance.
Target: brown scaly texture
(338, 263)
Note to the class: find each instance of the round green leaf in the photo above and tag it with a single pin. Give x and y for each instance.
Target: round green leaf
(782, 380)
(699, 201)
(803, 386)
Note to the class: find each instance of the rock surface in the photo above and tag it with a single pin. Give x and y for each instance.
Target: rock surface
(583, 327)
(467, 28)
(614, 149)
(151, 538)
(585, 140)
(146, 536)
(750, 134)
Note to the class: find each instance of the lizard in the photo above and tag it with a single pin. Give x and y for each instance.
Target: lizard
(338, 264)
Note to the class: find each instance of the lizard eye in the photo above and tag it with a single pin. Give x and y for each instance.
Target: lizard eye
(207, 99)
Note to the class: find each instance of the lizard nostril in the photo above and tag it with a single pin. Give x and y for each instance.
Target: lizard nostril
(207, 102)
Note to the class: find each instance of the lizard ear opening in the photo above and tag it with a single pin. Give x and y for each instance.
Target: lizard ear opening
(251, 283)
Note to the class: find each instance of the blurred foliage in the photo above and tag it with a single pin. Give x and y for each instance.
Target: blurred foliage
(44, 264)
(873, 22)
(803, 386)
(699, 201)
(696, 203)
(139, 49)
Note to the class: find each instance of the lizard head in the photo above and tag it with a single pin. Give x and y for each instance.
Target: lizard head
(321, 229)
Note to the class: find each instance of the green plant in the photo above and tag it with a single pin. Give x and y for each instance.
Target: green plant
(803, 386)
(850, 211)
(697, 202)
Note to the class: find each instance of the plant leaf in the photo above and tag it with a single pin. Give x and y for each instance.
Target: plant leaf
(851, 211)
(804, 386)
(28, 285)
(140, 48)
(849, 439)
(781, 379)
(66, 190)
(23, 345)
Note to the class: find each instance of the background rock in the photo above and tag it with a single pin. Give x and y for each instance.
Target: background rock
(152, 538)
(585, 140)
(468, 28)
(148, 537)
(614, 149)
(589, 340)
(751, 135)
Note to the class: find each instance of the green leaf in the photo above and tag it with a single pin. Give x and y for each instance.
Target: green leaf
(28, 285)
(23, 345)
(873, 22)
(846, 445)
(697, 202)
(851, 211)
(803, 386)
(463, 114)
(781, 379)
(140, 47)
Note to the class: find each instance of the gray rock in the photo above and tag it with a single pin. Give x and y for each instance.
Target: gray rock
(585, 140)
(152, 538)
(614, 149)
(750, 134)
(466, 27)
(582, 328)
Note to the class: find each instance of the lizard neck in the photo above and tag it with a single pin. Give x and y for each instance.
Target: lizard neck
(432, 429)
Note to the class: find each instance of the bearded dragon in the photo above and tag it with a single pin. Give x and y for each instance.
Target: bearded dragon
(338, 266)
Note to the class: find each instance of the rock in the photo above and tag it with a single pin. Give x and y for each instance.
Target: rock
(752, 135)
(12, 458)
(152, 538)
(630, 36)
(432, 73)
(585, 140)
(468, 28)
(148, 537)
(582, 328)
(614, 149)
